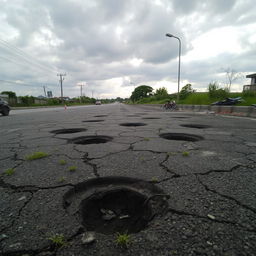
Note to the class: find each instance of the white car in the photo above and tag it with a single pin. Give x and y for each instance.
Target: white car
(98, 102)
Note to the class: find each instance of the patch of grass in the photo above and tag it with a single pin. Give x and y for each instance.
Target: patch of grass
(185, 153)
(9, 171)
(154, 180)
(72, 168)
(58, 240)
(62, 162)
(62, 179)
(146, 139)
(36, 155)
(123, 240)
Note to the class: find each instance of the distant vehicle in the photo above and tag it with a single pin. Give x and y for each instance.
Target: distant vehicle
(98, 102)
(4, 108)
(228, 101)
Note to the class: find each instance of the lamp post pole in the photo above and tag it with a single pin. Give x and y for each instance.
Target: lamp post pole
(170, 35)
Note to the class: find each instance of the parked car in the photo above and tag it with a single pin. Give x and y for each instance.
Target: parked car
(98, 102)
(228, 101)
(4, 108)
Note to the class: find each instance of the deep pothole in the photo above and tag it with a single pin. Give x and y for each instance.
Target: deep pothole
(94, 121)
(132, 124)
(181, 136)
(197, 126)
(68, 130)
(115, 204)
(93, 139)
(100, 115)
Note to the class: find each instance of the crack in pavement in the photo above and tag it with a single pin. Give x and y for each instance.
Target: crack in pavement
(227, 197)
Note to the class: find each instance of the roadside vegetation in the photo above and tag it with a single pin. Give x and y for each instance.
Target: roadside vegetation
(31, 101)
(145, 95)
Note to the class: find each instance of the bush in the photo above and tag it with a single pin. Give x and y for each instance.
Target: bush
(217, 93)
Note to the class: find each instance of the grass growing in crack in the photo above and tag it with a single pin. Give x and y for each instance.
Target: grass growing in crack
(58, 240)
(146, 139)
(62, 162)
(36, 155)
(72, 168)
(62, 179)
(123, 240)
(185, 153)
(9, 171)
(154, 180)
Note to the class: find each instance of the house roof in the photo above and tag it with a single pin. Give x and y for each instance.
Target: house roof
(251, 75)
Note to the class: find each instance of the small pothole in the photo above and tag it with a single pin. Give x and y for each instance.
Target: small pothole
(198, 126)
(151, 118)
(115, 204)
(101, 116)
(68, 130)
(94, 139)
(181, 136)
(132, 124)
(93, 121)
(180, 117)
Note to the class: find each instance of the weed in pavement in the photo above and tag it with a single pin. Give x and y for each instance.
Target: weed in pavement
(123, 240)
(9, 171)
(72, 168)
(36, 155)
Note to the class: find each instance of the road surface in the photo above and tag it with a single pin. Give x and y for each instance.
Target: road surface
(177, 183)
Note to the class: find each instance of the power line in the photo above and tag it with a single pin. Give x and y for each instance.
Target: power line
(19, 83)
(23, 55)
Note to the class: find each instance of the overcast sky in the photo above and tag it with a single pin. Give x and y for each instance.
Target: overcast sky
(111, 46)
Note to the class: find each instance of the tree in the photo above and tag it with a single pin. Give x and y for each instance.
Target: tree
(185, 91)
(10, 94)
(215, 92)
(231, 76)
(140, 92)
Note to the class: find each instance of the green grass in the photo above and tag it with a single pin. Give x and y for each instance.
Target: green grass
(9, 171)
(72, 168)
(36, 155)
(58, 240)
(185, 153)
(202, 98)
(62, 162)
(62, 179)
(123, 240)
(154, 180)
(146, 139)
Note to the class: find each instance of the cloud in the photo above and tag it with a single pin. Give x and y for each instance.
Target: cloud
(107, 43)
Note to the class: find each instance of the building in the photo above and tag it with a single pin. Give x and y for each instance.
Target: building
(252, 86)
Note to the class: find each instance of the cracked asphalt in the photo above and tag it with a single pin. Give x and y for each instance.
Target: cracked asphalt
(211, 182)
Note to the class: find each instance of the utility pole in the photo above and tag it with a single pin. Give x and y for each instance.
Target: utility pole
(44, 92)
(81, 91)
(61, 80)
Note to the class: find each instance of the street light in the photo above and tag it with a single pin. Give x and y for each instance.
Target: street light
(170, 35)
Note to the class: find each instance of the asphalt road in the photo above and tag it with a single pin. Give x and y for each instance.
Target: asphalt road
(178, 183)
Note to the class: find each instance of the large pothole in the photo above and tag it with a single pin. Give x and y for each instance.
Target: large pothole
(197, 126)
(93, 139)
(181, 136)
(115, 204)
(132, 124)
(68, 130)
